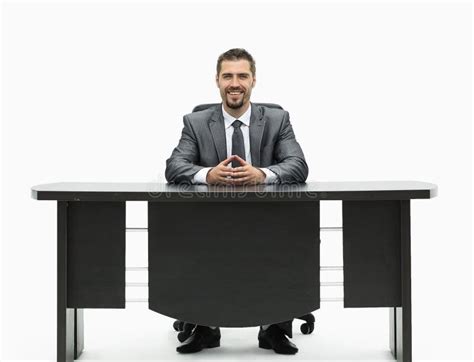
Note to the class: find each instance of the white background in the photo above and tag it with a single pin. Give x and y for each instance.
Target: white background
(376, 91)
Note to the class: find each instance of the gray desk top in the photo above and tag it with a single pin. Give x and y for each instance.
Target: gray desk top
(311, 191)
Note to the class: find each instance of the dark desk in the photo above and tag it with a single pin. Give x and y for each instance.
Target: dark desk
(252, 245)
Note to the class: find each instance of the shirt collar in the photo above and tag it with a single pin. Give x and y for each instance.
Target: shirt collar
(244, 118)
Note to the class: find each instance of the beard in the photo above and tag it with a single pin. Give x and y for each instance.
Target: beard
(235, 105)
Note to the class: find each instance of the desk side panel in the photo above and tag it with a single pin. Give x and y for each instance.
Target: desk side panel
(372, 253)
(96, 255)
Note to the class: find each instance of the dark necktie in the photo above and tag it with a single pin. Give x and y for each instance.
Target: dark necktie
(238, 147)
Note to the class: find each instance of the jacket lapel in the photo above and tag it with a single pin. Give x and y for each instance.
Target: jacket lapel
(257, 125)
(216, 125)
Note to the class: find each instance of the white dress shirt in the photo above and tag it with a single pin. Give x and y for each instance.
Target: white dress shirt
(271, 177)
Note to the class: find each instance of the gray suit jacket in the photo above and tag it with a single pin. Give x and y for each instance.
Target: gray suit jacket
(203, 144)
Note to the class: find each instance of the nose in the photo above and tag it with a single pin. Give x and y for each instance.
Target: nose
(235, 82)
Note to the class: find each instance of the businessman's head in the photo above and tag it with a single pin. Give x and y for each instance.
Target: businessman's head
(235, 78)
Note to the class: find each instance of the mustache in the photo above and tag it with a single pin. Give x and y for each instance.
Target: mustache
(235, 89)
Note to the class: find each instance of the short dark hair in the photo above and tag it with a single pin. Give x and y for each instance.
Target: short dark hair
(236, 54)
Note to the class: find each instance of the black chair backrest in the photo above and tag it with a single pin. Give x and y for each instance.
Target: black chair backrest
(202, 107)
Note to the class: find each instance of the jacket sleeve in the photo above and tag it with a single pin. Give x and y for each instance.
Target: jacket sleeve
(290, 164)
(181, 166)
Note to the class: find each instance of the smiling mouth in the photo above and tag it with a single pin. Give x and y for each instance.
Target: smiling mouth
(235, 95)
(235, 92)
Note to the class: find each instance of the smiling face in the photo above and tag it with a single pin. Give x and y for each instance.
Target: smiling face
(235, 82)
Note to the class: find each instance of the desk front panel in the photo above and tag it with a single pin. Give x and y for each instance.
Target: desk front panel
(233, 264)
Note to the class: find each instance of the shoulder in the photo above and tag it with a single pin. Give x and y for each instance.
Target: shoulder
(271, 113)
(204, 115)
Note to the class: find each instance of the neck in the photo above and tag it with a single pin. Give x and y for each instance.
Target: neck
(237, 112)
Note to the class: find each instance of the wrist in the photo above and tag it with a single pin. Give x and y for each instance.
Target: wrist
(263, 175)
(208, 174)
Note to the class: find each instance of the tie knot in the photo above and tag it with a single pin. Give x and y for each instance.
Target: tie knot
(236, 124)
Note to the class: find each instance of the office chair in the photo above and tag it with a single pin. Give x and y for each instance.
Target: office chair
(185, 329)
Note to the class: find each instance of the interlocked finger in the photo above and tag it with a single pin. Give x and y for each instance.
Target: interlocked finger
(244, 180)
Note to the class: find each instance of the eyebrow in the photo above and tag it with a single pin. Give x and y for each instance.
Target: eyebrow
(224, 74)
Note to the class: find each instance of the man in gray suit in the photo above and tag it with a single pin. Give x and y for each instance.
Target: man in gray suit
(237, 143)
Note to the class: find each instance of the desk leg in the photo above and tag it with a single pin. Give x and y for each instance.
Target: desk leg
(68, 337)
(400, 317)
(78, 332)
(393, 331)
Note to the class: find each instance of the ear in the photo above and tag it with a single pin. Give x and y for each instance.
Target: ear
(254, 81)
(217, 80)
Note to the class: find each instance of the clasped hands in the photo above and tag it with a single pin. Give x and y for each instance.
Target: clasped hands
(245, 174)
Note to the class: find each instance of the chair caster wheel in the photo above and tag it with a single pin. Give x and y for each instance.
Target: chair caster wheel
(307, 328)
(178, 326)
